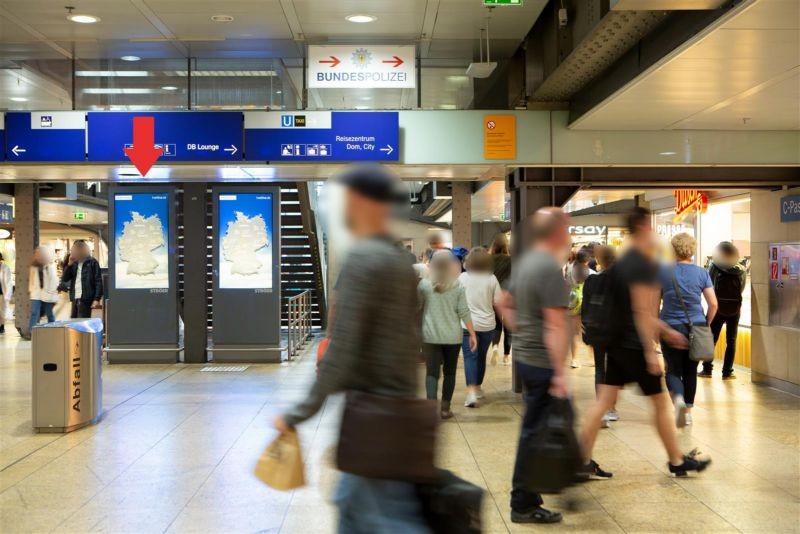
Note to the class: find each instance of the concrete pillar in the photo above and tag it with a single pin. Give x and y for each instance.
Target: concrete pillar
(26, 239)
(462, 214)
(194, 309)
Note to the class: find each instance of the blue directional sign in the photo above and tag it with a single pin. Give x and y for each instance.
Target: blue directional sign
(184, 136)
(45, 136)
(322, 136)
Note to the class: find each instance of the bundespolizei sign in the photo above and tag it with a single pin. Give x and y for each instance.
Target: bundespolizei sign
(358, 67)
(322, 136)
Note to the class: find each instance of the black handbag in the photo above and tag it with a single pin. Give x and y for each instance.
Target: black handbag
(388, 437)
(451, 505)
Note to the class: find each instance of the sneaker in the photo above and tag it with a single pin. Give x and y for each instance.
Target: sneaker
(729, 376)
(574, 364)
(506, 359)
(494, 355)
(537, 515)
(689, 464)
(593, 471)
(480, 394)
(471, 400)
(446, 414)
(688, 418)
(604, 423)
(680, 411)
(704, 374)
(613, 415)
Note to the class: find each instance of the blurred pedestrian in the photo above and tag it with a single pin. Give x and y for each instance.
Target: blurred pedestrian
(578, 272)
(84, 281)
(374, 342)
(482, 291)
(42, 287)
(682, 287)
(633, 318)
(502, 271)
(536, 307)
(445, 309)
(6, 291)
(729, 279)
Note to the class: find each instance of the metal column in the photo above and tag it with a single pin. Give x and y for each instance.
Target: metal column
(195, 261)
(462, 214)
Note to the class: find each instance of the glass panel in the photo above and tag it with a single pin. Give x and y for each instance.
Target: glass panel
(242, 84)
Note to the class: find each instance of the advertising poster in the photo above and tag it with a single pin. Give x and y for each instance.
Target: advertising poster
(245, 241)
(141, 255)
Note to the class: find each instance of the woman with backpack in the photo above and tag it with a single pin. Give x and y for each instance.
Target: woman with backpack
(445, 308)
(728, 279)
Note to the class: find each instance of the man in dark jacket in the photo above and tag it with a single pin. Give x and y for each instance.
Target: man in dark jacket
(729, 279)
(83, 280)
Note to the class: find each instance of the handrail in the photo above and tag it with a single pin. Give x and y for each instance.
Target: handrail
(299, 315)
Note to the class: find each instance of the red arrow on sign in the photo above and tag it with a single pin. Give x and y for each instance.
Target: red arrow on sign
(333, 61)
(397, 61)
(144, 154)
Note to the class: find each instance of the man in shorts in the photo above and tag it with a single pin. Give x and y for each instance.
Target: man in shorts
(633, 358)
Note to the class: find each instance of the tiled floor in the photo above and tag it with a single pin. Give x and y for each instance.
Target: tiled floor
(176, 450)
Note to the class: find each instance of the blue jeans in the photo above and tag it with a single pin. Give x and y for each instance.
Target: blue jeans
(681, 370)
(375, 506)
(37, 306)
(475, 362)
(536, 383)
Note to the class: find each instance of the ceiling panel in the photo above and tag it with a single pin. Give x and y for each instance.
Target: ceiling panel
(741, 68)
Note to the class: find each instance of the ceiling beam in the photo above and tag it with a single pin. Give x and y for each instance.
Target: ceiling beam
(293, 21)
(428, 27)
(35, 33)
(160, 26)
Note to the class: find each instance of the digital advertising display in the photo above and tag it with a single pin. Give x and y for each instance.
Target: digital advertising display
(245, 240)
(141, 242)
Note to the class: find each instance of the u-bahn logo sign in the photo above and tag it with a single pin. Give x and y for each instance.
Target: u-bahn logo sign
(689, 201)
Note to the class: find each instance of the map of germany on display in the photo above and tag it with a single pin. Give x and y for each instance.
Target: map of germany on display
(140, 236)
(243, 238)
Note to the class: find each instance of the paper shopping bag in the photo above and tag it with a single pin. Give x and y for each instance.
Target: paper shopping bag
(281, 464)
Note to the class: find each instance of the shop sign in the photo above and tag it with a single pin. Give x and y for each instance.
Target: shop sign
(588, 230)
(689, 201)
(790, 208)
(6, 213)
(362, 66)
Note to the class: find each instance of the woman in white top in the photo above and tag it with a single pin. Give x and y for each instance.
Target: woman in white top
(42, 286)
(483, 291)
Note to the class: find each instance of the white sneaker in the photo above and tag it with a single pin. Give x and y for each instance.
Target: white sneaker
(480, 393)
(471, 400)
(605, 424)
(680, 411)
(613, 415)
(574, 364)
(688, 418)
(506, 360)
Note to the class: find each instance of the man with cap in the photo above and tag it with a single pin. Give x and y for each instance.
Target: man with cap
(374, 346)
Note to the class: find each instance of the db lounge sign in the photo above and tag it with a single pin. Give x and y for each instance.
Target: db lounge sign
(790, 208)
(688, 201)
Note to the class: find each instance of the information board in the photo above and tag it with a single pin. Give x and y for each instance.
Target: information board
(361, 66)
(322, 136)
(141, 241)
(45, 136)
(246, 240)
(184, 136)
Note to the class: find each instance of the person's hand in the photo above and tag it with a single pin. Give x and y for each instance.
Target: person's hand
(558, 386)
(655, 364)
(473, 342)
(675, 339)
(96, 305)
(280, 424)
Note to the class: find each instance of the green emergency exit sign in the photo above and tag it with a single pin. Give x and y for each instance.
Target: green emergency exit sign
(502, 2)
(79, 215)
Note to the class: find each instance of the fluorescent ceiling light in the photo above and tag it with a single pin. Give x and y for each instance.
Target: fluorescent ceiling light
(448, 106)
(83, 19)
(119, 91)
(361, 19)
(458, 79)
(112, 73)
(17, 99)
(221, 73)
(170, 88)
(222, 18)
(360, 108)
(130, 58)
(669, 153)
(278, 92)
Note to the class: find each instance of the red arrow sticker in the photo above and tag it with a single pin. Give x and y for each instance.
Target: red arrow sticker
(144, 154)
(397, 61)
(333, 61)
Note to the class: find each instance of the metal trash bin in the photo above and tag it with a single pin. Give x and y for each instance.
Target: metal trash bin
(67, 374)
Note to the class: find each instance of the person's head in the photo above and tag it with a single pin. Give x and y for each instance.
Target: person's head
(605, 256)
(80, 250)
(583, 256)
(371, 192)
(479, 261)
(726, 253)
(592, 248)
(683, 245)
(42, 256)
(549, 228)
(639, 222)
(442, 273)
(500, 244)
(435, 241)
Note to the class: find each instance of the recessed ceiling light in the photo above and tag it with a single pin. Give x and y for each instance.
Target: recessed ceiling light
(170, 88)
(221, 18)
(83, 19)
(365, 98)
(361, 19)
(130, 58)
(361, 108)
(669, 153)
(279, 92)
(17, 99)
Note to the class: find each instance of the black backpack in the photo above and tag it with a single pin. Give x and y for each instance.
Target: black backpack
(728, 288)
(600, 324)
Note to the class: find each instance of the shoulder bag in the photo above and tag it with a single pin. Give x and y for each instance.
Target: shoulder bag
(701, 340)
